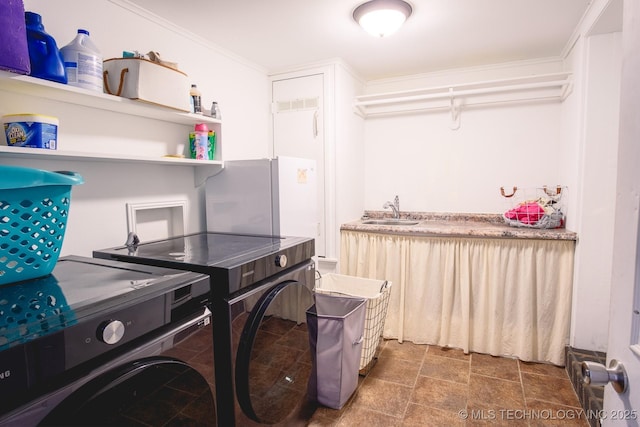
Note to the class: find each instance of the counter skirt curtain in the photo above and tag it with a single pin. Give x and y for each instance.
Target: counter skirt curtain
(505, 297)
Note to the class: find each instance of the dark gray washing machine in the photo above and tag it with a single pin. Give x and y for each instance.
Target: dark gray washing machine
(88, 344)
(261, 287)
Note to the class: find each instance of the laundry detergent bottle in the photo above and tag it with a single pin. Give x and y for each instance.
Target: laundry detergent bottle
(44, 57)
(83, 62)
(202, 141)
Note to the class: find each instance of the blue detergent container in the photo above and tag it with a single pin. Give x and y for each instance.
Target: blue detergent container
(46, 60)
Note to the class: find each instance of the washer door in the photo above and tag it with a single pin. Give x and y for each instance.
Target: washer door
(151, 391)
(273, 362)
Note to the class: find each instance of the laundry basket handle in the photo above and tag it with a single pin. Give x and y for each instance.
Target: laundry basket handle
(384, 285)
(22, 177)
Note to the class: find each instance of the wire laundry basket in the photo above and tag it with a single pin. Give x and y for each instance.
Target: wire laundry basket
(34, 206)
(376, 293)
(540, 207)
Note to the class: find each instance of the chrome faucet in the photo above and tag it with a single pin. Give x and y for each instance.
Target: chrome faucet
(395, 207)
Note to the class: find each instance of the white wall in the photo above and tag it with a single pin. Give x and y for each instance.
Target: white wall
(349, 152)
(97, 214)
(98, 209)
(592, 118)
(436, 169)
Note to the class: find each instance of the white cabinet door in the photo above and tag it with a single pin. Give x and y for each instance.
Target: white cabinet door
(298, 123)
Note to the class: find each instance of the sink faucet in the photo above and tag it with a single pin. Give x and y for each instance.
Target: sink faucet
(395, 207)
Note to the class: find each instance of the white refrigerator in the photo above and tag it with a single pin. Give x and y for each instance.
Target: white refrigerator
(274, 197)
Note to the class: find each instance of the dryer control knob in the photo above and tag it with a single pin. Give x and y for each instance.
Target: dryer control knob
(111, 331)
(281, 260)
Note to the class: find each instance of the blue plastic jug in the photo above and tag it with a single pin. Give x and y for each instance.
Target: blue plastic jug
(46, 60)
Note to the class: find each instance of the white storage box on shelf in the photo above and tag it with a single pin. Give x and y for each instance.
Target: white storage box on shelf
(148, 81)
(376, 293)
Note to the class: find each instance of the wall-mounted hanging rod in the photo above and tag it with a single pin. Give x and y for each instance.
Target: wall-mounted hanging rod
(555, 86)
(465, 92)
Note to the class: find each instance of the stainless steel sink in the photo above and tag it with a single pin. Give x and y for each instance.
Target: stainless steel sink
(390, 222)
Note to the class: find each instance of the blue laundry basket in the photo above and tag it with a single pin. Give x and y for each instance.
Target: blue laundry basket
(34, 206)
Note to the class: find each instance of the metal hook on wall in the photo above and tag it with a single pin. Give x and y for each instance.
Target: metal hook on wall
(454, 106)
(508, 195)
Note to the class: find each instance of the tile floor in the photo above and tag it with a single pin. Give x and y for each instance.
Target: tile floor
(420, 385)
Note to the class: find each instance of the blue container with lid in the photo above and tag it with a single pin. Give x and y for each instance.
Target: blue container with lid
(44, 55)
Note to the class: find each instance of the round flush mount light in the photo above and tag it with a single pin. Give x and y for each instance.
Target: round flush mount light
(381, 18)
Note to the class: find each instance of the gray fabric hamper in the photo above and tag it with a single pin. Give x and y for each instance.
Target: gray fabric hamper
(336, 327)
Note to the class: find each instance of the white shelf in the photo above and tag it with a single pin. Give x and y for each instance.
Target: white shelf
(72, 95)
(102, 101)
(40, 153)
(203, 168)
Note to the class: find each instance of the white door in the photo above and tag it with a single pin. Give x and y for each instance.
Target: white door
(623, 409)
(298, 131)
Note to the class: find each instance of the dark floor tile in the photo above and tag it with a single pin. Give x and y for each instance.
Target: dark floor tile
(543, 369)
(492, 400)
(201, 411)
(419, 385)
(420, 416)
(445, 368)
(498, 367)
(406, 350)
(277, 326)
(382, 396)
(494, 414)
(549, 389)
(206, 370)
(547, 414)
(440, 394)
(320, 421)
(400, 371)
(325, 414)
(454, 353)
(296, 339)
(497, 392)
(362, 417)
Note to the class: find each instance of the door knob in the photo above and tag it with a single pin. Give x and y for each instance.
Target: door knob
(597, 374)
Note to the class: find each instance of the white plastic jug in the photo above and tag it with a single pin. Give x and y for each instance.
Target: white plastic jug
(83, 62)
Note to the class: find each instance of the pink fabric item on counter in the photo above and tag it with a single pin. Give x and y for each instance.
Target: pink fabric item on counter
(527, 213)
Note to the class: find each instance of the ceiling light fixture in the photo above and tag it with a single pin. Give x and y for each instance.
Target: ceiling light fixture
(381, 18)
